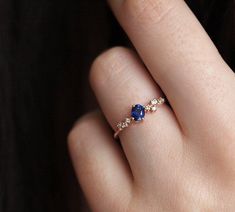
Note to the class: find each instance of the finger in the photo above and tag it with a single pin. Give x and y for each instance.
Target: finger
(101, 168)
(120, 80)
(181, 58)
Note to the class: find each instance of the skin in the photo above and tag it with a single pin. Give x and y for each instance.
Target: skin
(180, 158)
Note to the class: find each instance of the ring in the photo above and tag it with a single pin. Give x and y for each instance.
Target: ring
(138, 113)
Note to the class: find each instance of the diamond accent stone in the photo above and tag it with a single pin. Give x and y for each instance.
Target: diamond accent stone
(147, 107)
(128, 120)
(119, 125)
(154, 108)
(161, 100)
(154, 101)
(124, 125)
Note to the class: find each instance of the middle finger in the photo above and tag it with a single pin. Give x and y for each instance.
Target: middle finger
(181, 58)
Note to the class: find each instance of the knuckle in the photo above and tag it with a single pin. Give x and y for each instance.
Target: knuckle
(145, 11)
(106, 65)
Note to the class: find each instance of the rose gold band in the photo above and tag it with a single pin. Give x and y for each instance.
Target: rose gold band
(152, 106)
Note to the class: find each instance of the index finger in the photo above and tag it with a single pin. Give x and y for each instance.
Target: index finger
(179, 54)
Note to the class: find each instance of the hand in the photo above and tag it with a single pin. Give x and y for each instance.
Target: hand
(181, 158)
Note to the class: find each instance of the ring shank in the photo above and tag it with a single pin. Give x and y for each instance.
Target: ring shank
(150, 107)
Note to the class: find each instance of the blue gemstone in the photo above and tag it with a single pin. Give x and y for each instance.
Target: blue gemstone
(138, 112)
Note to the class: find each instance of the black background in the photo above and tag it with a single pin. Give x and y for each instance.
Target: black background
(46, 48)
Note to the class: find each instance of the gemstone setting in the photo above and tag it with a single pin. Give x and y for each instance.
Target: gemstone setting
(138, 112)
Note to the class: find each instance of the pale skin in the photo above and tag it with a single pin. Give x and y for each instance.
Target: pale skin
(181, 158)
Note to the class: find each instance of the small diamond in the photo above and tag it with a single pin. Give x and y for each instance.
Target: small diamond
(147, 108)
(128, 121)
(154, 108)
(119, 125)
(124, 125)
(154, 101)
(161, 100)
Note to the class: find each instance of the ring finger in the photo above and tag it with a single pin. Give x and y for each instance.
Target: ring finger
(120, 80)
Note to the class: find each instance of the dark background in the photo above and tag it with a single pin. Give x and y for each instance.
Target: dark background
(46, 48)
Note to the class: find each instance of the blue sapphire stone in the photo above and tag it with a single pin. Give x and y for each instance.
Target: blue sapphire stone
(138, 112)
